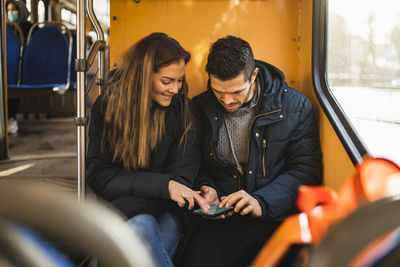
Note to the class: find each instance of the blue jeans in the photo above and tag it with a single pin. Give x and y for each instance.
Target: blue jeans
(162, 234)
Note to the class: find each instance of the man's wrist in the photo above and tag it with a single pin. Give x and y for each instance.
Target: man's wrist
(262, 206)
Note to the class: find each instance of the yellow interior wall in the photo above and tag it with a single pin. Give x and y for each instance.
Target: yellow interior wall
(337, 164)
(269, 26)
(279, 32)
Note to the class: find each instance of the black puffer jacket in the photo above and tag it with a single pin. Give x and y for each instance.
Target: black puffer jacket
(146, 190)
(284, 148)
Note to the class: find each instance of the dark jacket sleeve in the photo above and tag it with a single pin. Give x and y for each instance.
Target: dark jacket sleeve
(184, 158)
(201, 121)
(204, 179)
(109, 180)
(303, 167)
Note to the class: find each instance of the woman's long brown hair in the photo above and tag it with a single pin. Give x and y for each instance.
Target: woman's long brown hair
(133, 124)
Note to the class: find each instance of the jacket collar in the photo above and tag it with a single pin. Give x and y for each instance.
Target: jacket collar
(272, 81)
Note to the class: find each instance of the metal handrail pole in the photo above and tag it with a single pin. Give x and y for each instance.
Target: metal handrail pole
(94, 49)
(81, 120)
(100, 37)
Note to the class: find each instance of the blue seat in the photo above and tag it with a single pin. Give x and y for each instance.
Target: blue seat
(47, 61)
(73, 56)
(41, 246)
(13, 50)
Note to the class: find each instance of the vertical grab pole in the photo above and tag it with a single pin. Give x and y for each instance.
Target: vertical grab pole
(3, 84)
(100, 37)
(81, 119)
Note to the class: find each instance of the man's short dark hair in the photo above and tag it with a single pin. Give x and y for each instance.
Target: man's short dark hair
(228, 57)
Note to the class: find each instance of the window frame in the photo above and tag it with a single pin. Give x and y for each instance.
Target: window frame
(344, 129)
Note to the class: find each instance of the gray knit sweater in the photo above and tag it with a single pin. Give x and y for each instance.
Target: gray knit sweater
(238, 124)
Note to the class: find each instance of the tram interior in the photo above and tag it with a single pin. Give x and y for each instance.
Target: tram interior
(42, 133)
(42, 154)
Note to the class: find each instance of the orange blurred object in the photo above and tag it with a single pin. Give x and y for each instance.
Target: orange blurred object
(321, 207)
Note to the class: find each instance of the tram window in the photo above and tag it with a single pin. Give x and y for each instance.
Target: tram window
(28, 5)
(68, 16)
(102, 10)
(363, 69)
(41, 11)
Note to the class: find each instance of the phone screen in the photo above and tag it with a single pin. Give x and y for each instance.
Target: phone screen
(213, 211)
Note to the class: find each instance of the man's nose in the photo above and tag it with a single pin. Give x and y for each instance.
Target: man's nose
(226, 99)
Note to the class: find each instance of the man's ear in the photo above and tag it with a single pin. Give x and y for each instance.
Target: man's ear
(254, 75)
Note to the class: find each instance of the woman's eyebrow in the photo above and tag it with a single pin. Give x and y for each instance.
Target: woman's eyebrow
(169, 78)
(166, 77)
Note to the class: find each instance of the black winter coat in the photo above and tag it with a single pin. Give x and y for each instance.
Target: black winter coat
(146, 190)
(284, 150)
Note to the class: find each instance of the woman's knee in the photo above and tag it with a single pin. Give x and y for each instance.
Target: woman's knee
(170, 232)
(143, 223)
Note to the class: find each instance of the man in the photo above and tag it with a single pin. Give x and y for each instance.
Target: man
(260, 143)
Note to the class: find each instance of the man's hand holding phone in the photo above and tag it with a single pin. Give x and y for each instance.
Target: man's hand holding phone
(209, 194)
(243, 202)
(214, 212)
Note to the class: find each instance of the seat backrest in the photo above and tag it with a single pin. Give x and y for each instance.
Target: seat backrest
(25, 247)
(73, 56)
(13, 50)
(46, 59)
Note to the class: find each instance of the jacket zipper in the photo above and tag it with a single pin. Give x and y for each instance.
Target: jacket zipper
(223, 163)
(264, 146)
(251, 130)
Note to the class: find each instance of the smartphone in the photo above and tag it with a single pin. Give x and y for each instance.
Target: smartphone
(213, 211)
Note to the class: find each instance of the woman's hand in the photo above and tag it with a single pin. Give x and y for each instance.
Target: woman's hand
(209, 194)
(181, 193)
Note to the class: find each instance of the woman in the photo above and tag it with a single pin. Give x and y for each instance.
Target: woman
(18, 13)
(142, 151)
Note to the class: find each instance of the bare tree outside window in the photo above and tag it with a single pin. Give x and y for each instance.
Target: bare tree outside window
(363, 69)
